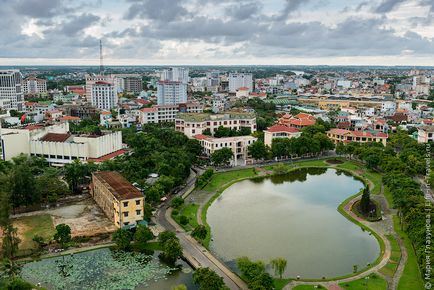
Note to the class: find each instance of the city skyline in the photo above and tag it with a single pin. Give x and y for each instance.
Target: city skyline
(252, 32)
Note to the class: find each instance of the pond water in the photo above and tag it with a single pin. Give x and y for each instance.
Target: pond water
(107, 269)
(295, 217)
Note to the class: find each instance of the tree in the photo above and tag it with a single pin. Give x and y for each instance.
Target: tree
(365, 202)
(154, 193)
(147, 211)
(165, 236)
(39, 241)
(279, 266)
(221, 157)
(143, 234)
(122, 239)
(177, 202)
(10, 242)
(17, 284)
(249, 270)
(49, 186)
(183, 220)
(63, 234)
(258, 150)
(199, 232)
(22, 183)
(207, 279)
(172, 250)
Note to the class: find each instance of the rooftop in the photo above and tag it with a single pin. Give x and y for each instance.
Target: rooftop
(55, 137)
(118, 185)
(201, 117)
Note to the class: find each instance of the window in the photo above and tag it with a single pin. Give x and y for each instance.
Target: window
(138, 212)
(125, 214)
(125, 203)
(126, 223)
(137, 202)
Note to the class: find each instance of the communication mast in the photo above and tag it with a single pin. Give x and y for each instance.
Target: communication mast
(101, 68)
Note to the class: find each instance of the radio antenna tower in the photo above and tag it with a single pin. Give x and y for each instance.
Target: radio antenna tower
(101, 68)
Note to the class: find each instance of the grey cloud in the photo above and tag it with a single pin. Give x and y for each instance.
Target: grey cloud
(40, 9)
(78, 23)
(160, 10)
(243, 10)
(388, 5)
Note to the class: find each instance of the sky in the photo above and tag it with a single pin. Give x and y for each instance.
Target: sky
(217, 32)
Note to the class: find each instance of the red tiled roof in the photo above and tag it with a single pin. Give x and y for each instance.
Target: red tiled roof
(200, 136)
(108, 156)
(69, 118)
(33, 127)
(281, 128)
(141, 101)
(119, 186)
(106, 113)
(55, 137)
(302, 122)
(243, 89)
(358, 133)
(149, 110)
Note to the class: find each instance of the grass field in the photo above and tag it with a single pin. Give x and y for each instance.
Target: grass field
(374, 282)
(280, 283)
(30, 226)
(218, 179)
(411, 277)
(189, 210)
(390, 268)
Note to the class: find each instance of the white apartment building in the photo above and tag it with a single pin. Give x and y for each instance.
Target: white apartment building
(34, 86)
(92, 79)
(131, 83)
(175, 74)
(240, 80)
(171, 93)
(280, 131)
(167, 113)
(58, 145)
(388, 106)
(239, 146)
(194, 124)
(11, 94)
(425, 134)
(104, 96)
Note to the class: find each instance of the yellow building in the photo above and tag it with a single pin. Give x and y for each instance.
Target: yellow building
(119, 199)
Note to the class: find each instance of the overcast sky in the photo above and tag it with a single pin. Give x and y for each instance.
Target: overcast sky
(140, 32)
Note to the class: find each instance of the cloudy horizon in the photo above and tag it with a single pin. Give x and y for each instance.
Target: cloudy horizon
(211, 32)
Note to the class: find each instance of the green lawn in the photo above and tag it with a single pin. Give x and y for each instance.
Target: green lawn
(189, 210)
(280, 283)
(390, 268)
(29, 226)
(388, 196)
(219, 179)
(374, 282)
(411, 277)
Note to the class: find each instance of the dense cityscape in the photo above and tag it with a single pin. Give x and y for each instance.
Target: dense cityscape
(216, 145)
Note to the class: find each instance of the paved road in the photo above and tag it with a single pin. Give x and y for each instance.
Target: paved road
(196, 254)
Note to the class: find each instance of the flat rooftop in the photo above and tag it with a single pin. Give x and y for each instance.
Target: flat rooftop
(201, 117)
(121, 188)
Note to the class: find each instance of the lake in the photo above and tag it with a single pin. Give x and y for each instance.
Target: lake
(295, 217)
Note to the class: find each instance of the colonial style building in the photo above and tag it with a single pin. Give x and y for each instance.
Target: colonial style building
(346, 136)
(425, 134)
(280, 131)
(119, 199)
(195, 124)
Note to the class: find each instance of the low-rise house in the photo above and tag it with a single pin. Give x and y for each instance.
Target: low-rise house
(299, 121)
(120, 200)
(280, 131)
(346, 136)
(425, 134)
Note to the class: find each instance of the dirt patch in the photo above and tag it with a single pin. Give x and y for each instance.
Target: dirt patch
(334, 161)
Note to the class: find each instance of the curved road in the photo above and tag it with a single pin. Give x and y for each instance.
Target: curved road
(195, 253)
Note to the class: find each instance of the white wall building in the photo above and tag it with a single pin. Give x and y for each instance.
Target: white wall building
(175, 74)
(104, 96)
(388, 106)
(92, 79)
(171, 93)
(239, 80)
(34, 86)
(11, 92)
(167, 113)
(57, 145)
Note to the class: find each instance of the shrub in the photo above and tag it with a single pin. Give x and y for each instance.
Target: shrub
(183, 220)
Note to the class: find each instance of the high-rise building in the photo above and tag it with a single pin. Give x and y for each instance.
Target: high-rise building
(175, 74)
(11, 93)
(104, 96)
(34, 86)
(171, 93)
(92, 79)
(213, 78)
(240, 80)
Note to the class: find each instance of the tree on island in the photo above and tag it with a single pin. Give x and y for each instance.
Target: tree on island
(365, 202)
(122, 239)
(63, 234)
